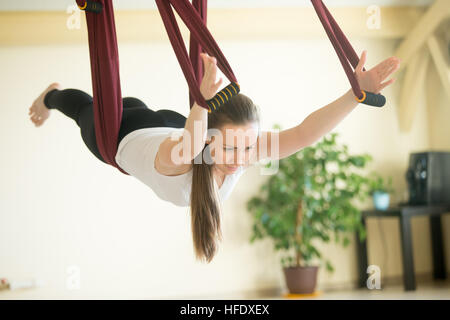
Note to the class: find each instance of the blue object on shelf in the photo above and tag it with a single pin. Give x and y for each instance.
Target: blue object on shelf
(381, 200)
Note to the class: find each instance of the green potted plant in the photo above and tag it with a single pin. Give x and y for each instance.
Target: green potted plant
(380, 190)
(310, 199)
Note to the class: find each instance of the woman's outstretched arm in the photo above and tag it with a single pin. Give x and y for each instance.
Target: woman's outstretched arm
(322, 121)
(316, 125)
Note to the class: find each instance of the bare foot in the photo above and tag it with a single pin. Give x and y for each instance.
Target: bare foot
(38, 111)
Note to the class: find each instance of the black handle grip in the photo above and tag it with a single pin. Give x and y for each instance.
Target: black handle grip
(372, 99)
(223, 96)
(92, 6)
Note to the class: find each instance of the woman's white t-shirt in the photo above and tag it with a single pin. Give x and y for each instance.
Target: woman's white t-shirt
(136, 155)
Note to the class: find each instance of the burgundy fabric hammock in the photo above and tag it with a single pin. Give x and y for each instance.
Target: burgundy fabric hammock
(194, 16)
(345, 53)
(105, 62)
(104, 59)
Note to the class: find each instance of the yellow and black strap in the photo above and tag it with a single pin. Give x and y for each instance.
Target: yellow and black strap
(223, 96)
(91, 6)
(372, 99)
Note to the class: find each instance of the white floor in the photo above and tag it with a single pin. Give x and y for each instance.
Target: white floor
(432, 290)
(423, 292)
(428, 290)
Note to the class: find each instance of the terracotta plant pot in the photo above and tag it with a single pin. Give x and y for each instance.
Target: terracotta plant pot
(301, 279)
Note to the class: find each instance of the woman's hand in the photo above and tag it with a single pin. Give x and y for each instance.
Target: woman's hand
(209, 86)
(371, 80)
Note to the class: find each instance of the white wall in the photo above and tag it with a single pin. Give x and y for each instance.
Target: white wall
(60, 206)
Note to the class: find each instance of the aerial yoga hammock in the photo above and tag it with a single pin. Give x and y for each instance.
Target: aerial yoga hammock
(105, 62)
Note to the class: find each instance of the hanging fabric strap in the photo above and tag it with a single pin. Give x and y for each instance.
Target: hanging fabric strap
(106, 89)
(346, 53)
(194, 16)
(201, 6)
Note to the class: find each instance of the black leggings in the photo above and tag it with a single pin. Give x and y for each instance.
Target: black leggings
(78, 105)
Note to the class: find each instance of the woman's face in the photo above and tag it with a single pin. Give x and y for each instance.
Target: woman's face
(234, 146)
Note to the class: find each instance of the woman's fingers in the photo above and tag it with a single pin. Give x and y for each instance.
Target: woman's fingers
(204, 64)
(209, 86)
(395, 65)
(384, 85)
(218, 84)
(206, 61)
(209, 64)
(213, 69)
(372, 80)
(362, 62)
(387, 67)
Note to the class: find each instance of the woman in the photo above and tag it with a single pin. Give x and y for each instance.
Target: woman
(183, 170)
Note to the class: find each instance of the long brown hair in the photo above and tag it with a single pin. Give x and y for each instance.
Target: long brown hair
(205, 205)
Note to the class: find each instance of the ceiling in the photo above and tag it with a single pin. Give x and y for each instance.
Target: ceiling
(45, 5)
